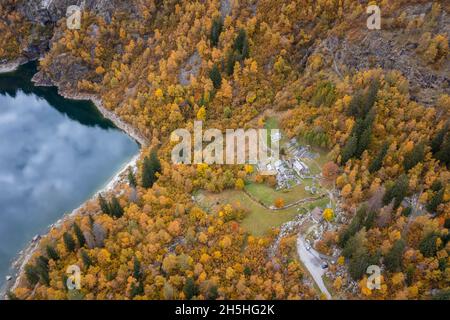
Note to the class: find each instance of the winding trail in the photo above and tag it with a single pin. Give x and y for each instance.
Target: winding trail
(293, 204)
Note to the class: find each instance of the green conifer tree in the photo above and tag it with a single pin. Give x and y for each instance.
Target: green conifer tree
(79, 234)
(216, 30)
(377, 163)
(215, 77)
(69, 242)
(104, 206)
(52, 253)
(116, 208)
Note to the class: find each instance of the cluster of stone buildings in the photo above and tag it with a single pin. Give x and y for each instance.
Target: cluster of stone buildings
(289, 169)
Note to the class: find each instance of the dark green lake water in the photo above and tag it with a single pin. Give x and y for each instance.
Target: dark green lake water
(55, 154)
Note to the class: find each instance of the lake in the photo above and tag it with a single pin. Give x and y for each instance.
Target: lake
(55, 154)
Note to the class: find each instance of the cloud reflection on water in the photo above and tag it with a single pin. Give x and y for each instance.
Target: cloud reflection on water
(49, 164)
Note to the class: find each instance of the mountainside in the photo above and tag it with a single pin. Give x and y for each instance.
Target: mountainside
(376, 100)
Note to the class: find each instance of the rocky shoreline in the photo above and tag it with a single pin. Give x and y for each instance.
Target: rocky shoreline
(23, 257)
(41, 81)
(11, 66)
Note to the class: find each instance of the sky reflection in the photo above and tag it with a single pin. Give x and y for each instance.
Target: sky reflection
(49, 165)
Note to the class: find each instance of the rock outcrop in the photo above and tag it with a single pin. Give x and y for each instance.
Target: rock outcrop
(44, 14)
(50, 11)
(391, 48)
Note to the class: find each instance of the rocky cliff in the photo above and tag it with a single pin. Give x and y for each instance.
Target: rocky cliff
(44, 15)
(395, 46)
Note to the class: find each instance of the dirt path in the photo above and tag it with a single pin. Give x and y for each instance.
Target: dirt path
(296, 203)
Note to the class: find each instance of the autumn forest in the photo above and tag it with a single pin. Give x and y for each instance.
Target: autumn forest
(370, 107)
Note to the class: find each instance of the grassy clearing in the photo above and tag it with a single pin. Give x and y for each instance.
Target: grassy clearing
(271, 123)
(268, 195)
(321, 203)
(306, 207)
(259, 220)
